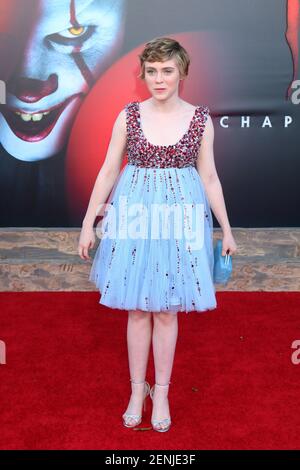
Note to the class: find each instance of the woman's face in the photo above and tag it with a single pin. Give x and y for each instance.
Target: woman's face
(162, 78)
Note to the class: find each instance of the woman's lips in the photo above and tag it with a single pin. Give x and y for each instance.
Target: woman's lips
(33, 127)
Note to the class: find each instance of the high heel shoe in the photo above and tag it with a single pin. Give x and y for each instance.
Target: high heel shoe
(161, 425)
(134, 418)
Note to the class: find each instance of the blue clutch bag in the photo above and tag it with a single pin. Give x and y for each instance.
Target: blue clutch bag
(222, 265)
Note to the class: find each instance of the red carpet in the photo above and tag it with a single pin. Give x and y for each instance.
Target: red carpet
(65, 383)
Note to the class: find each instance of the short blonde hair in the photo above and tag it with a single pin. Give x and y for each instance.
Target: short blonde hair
(162, 49)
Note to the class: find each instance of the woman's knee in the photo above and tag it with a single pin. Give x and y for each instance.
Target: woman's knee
(165, 318)
(139, 315)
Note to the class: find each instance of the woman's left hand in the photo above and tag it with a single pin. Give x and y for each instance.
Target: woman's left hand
(228, 244)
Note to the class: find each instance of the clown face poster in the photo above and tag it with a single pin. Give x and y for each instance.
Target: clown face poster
(67, 68)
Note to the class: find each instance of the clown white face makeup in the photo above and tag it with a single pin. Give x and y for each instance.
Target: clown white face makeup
(71, 43)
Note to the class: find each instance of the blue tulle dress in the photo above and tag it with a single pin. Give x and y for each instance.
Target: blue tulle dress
(156, 236)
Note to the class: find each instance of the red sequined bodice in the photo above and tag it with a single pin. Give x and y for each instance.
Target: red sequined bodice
(184, 153)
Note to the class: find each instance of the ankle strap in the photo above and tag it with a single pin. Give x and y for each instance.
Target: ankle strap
(166, 385)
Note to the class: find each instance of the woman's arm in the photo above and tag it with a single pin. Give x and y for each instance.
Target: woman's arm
(103, 184)
(208, 173)
(109, 170)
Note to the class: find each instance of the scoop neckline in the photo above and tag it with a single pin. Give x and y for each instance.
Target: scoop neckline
(164, 146)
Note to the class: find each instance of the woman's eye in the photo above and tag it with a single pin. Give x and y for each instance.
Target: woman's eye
(72, 35)
(166, 71)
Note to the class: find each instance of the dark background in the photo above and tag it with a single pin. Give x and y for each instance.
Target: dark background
(258, 167)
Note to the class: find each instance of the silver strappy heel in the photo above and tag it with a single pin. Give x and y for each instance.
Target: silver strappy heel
(162, 425)
(131, 420)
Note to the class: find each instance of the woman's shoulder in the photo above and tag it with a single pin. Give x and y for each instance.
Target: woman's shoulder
(205, 110)
(130, 104)
(202, 107)
(130, 108)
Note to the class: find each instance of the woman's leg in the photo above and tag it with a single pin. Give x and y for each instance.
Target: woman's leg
(165, 332)
(139, 331)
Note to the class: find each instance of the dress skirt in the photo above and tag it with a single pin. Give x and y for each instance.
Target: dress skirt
(156, 242)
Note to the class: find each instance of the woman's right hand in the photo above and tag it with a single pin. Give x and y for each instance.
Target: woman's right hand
(87, 240)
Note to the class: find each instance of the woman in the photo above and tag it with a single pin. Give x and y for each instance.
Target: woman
(149, 274)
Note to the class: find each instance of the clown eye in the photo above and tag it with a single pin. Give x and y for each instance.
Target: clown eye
(72, 32)
(76, 31)
(72, 35)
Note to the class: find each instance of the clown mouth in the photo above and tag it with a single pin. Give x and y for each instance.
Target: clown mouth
(33, 127)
